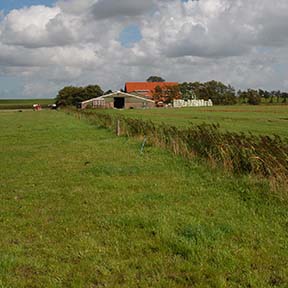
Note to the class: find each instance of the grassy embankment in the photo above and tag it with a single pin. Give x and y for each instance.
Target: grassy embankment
(265, 120)
(83, 208)
(12, 104)
(237, 152)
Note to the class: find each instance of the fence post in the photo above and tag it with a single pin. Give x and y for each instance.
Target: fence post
(143, 145)
(118, 128)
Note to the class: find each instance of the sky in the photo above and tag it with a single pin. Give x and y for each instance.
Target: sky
(8, 5)
(46, 45)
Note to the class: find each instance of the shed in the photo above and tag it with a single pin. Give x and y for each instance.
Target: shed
(118, 100)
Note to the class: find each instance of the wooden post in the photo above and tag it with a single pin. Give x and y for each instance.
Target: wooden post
(143, 145)
(118, 128)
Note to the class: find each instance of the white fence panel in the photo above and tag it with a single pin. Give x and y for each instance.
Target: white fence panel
(192, 103)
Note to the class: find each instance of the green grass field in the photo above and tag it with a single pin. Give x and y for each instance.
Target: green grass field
(262, 119)
(82, 208)
(10, 104)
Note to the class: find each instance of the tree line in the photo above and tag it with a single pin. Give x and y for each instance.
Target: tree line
(255, 97)
(222, 94)
(218, 92)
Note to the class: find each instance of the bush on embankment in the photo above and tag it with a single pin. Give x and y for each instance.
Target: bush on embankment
(240, 153)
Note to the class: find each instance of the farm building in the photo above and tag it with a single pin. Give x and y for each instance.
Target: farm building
(118, 100)
(146, 89)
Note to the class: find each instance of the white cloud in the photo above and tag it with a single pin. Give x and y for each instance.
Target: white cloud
(76, 42)
(217, 28)
(29, 27)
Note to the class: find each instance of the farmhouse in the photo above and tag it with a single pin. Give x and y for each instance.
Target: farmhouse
(118, 100)
(146, 89)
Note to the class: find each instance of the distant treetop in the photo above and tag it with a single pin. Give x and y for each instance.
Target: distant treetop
(155, 79)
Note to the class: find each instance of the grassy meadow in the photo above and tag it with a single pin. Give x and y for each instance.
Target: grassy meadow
(10, 104)
(265, 120)
(81, 207)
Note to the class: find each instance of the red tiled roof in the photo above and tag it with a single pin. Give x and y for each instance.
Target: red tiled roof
(146, 88)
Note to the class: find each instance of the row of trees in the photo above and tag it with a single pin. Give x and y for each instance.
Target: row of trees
(218, 92)
(255, 97)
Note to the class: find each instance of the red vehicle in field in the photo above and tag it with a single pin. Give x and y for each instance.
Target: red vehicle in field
(37, 107)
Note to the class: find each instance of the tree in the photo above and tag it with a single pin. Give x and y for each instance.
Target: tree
(193, 90)
(285, 97)
(278, 95)
(108, 92)
(92, 91)
(253, 97)
(67, 95)
(73, 95)
(171, 93)
(243, 96)
(265, 95)
(166, 94)
(187, 91)
(158, 94)
(219, 93)
(273, 94)
(155, 79)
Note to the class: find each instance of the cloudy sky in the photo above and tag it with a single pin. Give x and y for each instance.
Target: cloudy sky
(46, 45)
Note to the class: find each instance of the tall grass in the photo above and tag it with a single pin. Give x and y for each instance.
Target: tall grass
(239, 153)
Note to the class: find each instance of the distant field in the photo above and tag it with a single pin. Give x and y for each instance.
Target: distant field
(8, 104)
(266, 120)
(82, 208)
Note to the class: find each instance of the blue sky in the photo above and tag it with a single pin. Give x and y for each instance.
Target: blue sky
(131, 34)
(8, 5)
